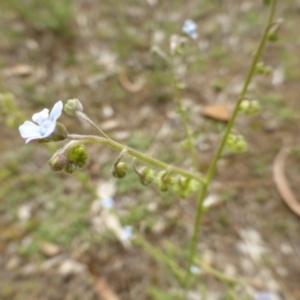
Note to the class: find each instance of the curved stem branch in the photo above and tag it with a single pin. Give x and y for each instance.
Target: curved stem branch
(182, 113)
(92, 139)
(88, 120)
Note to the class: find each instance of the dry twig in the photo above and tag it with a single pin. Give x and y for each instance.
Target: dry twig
(281, 181)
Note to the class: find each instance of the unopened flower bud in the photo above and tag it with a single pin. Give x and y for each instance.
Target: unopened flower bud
(58, 161)
(120, 170)
(146, 175)
(249, 107)
(78, 155)
(70, 167)
(72, 106)
(272, 36)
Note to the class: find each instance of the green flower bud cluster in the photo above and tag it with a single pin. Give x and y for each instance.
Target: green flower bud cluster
(249, 107)
(70, 167)
(120, 170)
(236, 143)
(263, 69)
(78, 155)
(69, 159)
(72, 106)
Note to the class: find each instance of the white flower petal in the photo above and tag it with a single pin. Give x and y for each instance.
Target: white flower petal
(49, 129)
(29, 129)
(32, 139)
(41, 116)
(56, 111)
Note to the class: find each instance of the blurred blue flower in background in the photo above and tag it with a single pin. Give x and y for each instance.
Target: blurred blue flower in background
(107, 203)
(46, 124)
(194, 270)
(190, 28)
(126, 233)
(264, 296)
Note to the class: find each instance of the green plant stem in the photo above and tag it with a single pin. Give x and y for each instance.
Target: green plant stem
(221, 276)
(213, 166)
(197, 225)
(88, 120)
(160, 257)
(182, 113)
(92, 139)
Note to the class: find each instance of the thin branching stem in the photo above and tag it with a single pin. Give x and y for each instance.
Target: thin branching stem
(83, 116)
(213, 166)
(183, 116)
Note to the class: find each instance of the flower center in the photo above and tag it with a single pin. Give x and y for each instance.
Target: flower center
(44, 126)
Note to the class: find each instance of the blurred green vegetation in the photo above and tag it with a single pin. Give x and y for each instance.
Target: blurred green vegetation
(57, 16)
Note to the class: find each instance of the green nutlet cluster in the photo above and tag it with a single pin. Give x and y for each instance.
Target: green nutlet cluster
(184, 187)
(236, 143)
(263, 69)
(164, 180)
(120, 170)
(146, 175)
(249, 107)
(72, 107)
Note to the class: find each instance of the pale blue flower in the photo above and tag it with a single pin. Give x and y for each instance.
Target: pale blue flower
(108, 203)
(46, 124)
(190, 28)
(126, 233)
(264, 296)
(194, 270)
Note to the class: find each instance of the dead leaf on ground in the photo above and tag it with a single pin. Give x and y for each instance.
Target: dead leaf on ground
(128, 85)
(50, 249)
(282, 183)
(219, 111)
(103, 290)
(70, 267)
(21, 70)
